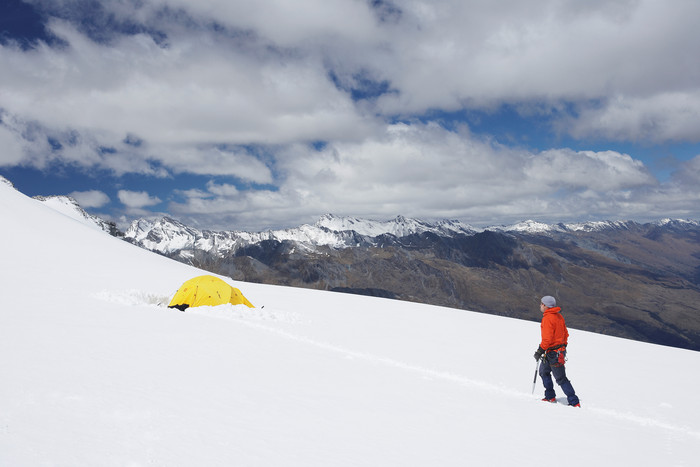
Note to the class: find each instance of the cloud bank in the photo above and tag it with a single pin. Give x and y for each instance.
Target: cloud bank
(294, 110)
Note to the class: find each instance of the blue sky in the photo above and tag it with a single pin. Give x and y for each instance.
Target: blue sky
(254, 115)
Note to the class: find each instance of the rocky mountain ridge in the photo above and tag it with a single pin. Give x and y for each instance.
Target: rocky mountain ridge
(167, 235)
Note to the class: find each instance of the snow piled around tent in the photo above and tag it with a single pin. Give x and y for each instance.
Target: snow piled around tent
(96, 371)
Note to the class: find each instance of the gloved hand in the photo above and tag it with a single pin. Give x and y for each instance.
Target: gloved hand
(539, 353)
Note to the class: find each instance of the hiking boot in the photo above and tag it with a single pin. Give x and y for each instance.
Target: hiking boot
(575, 405)
(553, 399)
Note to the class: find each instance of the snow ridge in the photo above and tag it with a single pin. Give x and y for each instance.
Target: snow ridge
(5, 181)
(70, 207)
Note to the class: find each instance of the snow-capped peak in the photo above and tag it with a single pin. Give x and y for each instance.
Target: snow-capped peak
(400, 226)
(528, 226)
(678, 222)
(595, 226)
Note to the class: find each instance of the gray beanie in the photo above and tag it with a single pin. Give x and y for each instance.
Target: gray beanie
(549, 301)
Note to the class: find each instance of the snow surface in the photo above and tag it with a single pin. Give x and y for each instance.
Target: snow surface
(95, 371)
(70, 207)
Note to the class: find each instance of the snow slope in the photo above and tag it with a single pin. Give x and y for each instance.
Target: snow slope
(94, 371)
(70, 207)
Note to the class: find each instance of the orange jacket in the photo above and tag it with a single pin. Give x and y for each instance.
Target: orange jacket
(554, 332)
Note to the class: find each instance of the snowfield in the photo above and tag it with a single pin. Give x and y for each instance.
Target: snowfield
(96, 371)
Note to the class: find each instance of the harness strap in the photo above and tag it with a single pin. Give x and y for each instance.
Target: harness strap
(556, 347)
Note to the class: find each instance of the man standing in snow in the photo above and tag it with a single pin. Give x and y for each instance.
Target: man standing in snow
(552, 351)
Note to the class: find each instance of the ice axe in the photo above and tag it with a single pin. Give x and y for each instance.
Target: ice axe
(534, 380)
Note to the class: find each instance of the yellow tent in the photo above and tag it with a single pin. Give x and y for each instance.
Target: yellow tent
(207, 290)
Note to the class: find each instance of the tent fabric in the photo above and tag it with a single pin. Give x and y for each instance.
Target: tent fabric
(207, 290)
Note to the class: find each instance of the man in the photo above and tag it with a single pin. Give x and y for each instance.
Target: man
(552, 351)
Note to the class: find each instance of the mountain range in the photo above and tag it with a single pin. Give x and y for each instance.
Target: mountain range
(621, 278)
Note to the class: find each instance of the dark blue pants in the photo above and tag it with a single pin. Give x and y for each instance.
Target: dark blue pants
(547, 369)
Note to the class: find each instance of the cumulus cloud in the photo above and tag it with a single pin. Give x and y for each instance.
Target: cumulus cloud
(198, 89)
(90, 198)
(494, 52)
(291, 109)
(425, 171)
(235, 161)
(671, 116)
(288, 24)
(137, 199)
(263, 75)
(597, 171)
(11, 149)
(689, 173)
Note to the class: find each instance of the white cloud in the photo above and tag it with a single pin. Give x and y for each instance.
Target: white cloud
(90, 198)
(196, 90)
(496, 52)
(224, 190)
(265, 79)
(598, 171)
(137, 199)
(689, 173)
(268, 78)
(11, 150)
(235, 162)
(428, 172)
(662, 117)
(287, 23)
